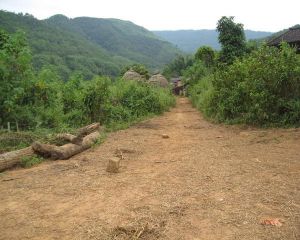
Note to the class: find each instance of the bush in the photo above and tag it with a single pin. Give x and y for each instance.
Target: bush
(194, 73)
(130, 100)
(262, 88)
(201, 94)
(207, 55)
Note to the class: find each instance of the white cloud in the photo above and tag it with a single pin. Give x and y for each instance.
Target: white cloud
(168, 14)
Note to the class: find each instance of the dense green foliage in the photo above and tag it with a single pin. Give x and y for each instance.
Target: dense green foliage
(207, 55)
(32, 100)
(92, 46)
(258, 84)
(195, 72)
(263, 88)
(190, 40)
(15, 75)
(177, 66)
(232, 39)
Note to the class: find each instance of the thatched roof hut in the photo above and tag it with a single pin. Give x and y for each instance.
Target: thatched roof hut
(159, 80)
(132, 75)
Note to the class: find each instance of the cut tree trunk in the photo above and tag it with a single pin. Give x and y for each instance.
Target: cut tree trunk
(66, 151)
(10, 159)
(84, 140)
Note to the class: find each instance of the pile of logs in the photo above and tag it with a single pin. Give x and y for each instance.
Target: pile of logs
(78, 143)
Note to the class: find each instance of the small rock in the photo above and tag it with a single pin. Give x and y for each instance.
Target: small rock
(165, 136)
(272, 221)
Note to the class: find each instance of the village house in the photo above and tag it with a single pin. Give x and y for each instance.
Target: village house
(292, 37)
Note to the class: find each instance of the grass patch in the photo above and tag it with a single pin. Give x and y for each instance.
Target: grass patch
(30, 161)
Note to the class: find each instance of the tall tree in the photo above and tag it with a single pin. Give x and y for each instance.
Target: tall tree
(231, 38)
(15, 74)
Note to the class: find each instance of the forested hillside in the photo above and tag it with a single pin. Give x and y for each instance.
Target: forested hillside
(91, 45)
(190, 40)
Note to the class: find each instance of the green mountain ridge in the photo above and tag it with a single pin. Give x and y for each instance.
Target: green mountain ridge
(190, 40)
(90, 45)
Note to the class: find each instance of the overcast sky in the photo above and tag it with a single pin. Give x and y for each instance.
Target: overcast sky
(169, 14)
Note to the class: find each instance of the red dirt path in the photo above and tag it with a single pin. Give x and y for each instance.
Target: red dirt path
(206, 181)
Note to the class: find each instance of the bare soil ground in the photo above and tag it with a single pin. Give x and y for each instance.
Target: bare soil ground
(205, 181)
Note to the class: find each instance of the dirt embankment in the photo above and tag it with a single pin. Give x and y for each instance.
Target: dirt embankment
(205, 181)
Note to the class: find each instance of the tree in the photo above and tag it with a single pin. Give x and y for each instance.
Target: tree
(177, 66)
(231, 38)
(205, 54)
(15, 74)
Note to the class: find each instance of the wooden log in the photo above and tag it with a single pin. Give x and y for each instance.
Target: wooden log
(66, 151)
(85, 139)
(10, 159)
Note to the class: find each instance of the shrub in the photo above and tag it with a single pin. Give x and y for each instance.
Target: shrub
(196, 72)
(130, 100)
(207, 55)
(263, 88)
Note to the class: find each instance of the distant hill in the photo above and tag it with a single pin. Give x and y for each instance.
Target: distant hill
(90, 45)
(190, 40)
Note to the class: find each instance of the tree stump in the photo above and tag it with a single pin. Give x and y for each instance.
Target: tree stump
(113, 165)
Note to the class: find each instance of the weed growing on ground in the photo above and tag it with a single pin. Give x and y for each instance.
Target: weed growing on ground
(30, 161)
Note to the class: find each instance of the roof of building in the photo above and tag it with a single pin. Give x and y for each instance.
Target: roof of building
(159, 80)
(290, 36)
(132, 75)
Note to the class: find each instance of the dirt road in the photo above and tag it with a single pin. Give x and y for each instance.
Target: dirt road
(205, 181)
